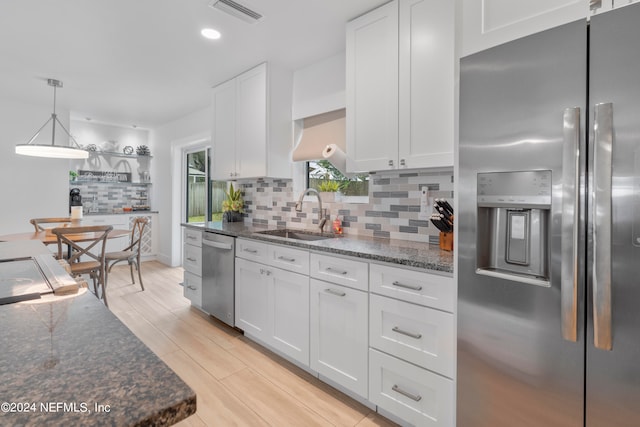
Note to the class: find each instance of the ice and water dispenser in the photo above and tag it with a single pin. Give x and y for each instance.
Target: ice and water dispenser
(513, 212)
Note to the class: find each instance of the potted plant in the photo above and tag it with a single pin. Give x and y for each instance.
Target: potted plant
(233, 205)
(73, 175)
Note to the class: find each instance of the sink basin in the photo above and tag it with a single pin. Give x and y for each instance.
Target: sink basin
(297, 234)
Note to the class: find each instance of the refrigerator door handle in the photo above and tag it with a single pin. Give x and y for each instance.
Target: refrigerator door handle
(603, 145)
(570, 223)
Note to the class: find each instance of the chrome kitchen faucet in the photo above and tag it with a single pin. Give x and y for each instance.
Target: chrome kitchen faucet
(322, 220)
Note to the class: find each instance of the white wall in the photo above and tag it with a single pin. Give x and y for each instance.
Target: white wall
(30, 186)
(167, 143)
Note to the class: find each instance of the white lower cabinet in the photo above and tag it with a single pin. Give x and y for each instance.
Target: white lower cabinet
(251, 299)
(413, 394)
(192, 288)
(288, 311)
(414, 333)
(192, 264)
(272, 304)
(339, 343)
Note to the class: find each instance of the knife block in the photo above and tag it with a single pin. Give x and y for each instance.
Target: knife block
(446, 241)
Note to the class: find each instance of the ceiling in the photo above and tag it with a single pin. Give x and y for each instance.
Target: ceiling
(144, 62)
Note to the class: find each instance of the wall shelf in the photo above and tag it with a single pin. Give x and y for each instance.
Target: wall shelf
(84, 182)
(118, 154)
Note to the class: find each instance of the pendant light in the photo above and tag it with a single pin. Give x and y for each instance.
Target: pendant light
(52, 150)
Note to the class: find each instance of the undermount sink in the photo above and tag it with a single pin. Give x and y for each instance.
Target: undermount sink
(297, 234)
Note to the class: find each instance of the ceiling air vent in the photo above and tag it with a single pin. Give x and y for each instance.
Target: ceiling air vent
(237, 10)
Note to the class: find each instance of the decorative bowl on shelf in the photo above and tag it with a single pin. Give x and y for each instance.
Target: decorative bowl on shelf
(128, 150)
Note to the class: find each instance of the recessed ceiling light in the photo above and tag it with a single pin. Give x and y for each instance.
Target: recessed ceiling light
(210, 33)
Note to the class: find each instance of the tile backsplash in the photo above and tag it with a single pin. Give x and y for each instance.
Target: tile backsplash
(110, 197)
(393, 210)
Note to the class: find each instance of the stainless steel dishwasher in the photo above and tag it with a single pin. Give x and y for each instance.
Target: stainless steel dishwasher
(218, 276)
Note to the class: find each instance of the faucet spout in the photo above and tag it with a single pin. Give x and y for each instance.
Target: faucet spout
(321, 219)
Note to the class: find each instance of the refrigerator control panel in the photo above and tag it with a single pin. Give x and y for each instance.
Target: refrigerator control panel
(522, 188)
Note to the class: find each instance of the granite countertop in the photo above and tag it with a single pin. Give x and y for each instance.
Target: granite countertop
(414, 254)
(69, 361)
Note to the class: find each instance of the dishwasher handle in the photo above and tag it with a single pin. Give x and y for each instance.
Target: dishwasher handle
(217, 245)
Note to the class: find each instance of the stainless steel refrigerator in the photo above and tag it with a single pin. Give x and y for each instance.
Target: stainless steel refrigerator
(549, 228)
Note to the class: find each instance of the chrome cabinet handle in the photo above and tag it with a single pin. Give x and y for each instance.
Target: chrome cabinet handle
(412, 287)
(603, 138)
(190, 237)
(263, 271)
(570, 223)
(411, 396)
(409, 334)
(335, 292)
(595, 4)
(191, 259)
(402, 162)
(287, 259)
(193, 288)
(251, 251)
(333, 270)
(390, 162)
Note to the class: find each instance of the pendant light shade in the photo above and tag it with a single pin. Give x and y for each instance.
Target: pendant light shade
(72, 151)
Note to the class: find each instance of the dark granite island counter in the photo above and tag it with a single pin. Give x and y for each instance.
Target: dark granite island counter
(69, 361)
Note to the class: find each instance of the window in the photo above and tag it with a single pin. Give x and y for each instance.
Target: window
(323, 176)
(203, 196)
(196, 185)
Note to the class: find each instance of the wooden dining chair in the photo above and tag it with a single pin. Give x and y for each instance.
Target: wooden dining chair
(131, 253)
(82, 259)
(36, 222)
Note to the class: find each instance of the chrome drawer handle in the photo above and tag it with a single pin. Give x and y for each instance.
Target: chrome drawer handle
(334, 292)
(411, 396)
(402, 285)
(333, 270)
(192, 288)
(191, 259)
(263, 271)
(287, 259)
(251, 251)
(191, 237)
(409, 334)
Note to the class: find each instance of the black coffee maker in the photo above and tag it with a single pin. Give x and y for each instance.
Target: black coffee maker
(75, 199)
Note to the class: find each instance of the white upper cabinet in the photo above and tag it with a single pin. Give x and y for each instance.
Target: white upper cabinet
(427, 83)
(600, 6)
(252, 130)
(401, 86)
(372, 90)
(489, 23)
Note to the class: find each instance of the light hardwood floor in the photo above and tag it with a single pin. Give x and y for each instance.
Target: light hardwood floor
(237, 382)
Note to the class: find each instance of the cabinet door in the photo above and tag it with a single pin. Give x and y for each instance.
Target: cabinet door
(427, 88)
(417, 396)
(192, 259)
(223, 136)
(251, 299)
(289, 313)
(489, 23)
(251, 125)
(339, 334)
(372, 90)
(192, 288)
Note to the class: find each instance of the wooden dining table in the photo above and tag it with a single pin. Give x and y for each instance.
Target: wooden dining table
(48, 238)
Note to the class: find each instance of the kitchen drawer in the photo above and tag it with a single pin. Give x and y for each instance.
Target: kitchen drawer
(418, 287)
(192, 288)
(252, 250)
(117, 221)
(413, 394)
(346, 272)
(417, 334)
(192, 261)
(192, 237)
(287, 258)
